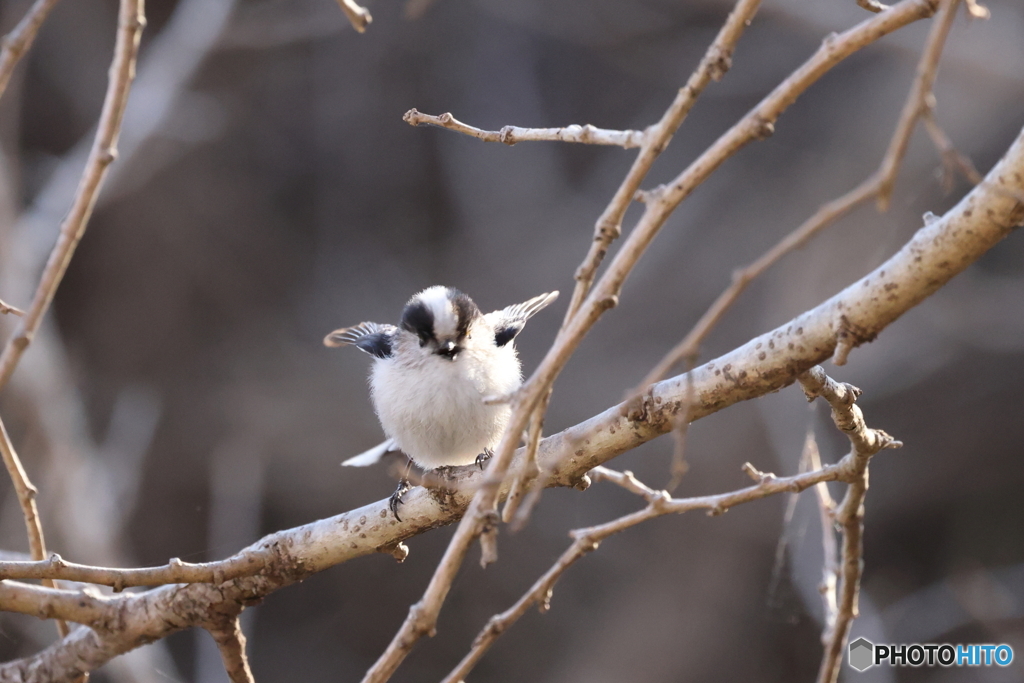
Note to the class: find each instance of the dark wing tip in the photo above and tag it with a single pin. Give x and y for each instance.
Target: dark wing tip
(372, 338)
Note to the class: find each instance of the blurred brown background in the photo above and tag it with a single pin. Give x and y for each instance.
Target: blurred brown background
(180, 402)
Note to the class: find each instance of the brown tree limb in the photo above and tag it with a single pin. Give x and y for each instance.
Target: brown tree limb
(231, 643)
(131, 20)
(16, 43)
(865, 442)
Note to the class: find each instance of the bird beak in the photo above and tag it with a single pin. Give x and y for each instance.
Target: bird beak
(448, 349)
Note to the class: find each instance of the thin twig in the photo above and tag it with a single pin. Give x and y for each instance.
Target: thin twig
(357, 15)
(916, 105)
(6, 308)
(16, 43)
(104, 150)
(510, 135)
(872, 5)
(865, 443)
(231, 643)
(830, 561)
(422, 618)
(953, 161)
(918, 100)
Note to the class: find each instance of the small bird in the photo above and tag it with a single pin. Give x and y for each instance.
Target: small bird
(431, 374)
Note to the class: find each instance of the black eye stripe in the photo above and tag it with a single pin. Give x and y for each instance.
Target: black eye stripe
(419, 319)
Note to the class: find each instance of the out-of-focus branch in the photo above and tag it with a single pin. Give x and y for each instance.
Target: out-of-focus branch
(830, 555)
(231, 643)
(6, 308)
(872, 5)
(26, 493)
(881, 181)
(918, 101)
(865, 443)
(510, 135)
(16, 43)
(104, 150)
(357, 15)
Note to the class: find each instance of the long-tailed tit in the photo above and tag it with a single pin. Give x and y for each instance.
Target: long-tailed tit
(431, 374)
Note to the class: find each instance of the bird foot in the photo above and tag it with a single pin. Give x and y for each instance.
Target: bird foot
(484, 457)
(396, 498)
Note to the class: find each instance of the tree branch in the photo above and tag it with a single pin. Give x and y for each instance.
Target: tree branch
(16, 43)
(231, 643)
(357, 15)
(510, 135)
(104, 150)
(865, 442)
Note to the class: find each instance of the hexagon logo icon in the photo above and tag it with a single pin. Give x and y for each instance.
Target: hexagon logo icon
(861, 654)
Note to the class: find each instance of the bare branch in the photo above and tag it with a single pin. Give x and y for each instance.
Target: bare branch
(916, 105)
(16, 43)
(104, 150)
(357, 15)
(659, 503)
(872, 5)
(231, 643)
(81, 607)
(26, 493)
(6, 308)
(865, 443)
(830, 562)
(953, 162)
(175, 571)
(510, 135)
(918, 101)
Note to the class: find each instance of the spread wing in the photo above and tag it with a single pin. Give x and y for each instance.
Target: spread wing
(372, 456)
(373, 338)
(508, 322)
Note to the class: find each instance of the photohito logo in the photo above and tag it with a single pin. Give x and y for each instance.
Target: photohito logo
(864, 654)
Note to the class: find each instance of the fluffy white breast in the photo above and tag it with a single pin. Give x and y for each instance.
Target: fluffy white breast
(433, 407)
